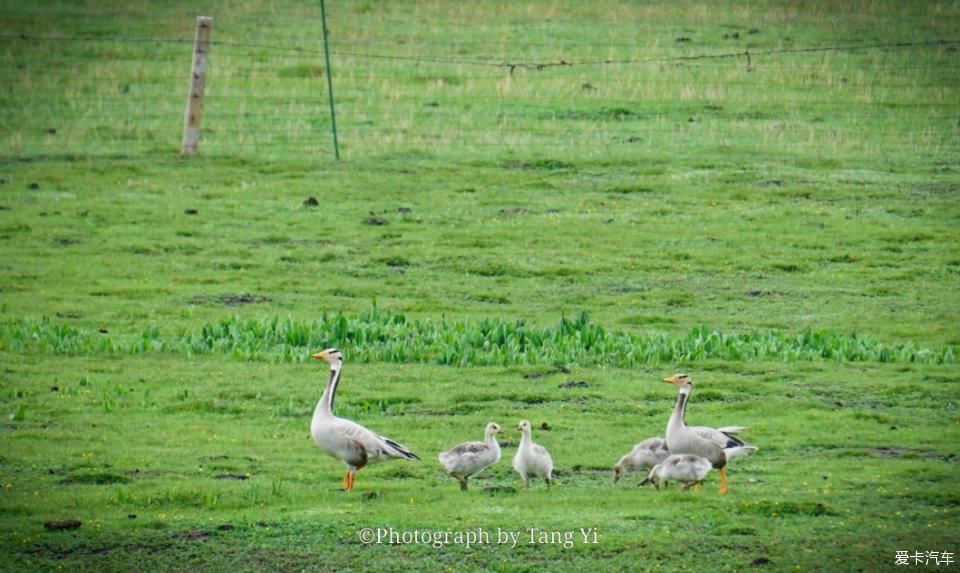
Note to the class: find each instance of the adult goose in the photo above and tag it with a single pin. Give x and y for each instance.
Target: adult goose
(717, 445)
(531, 460)
(469, 458)
(345, 439)
(643, 456)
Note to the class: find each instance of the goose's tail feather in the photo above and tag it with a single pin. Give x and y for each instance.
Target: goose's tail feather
(732, 429)
(399, 450)
(738, 451)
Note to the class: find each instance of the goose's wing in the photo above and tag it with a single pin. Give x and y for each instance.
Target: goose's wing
(651, 445)
(467, 448)
(376, 446)
(654, 449)
(465, 456)
(646, 454)
(543, 458)
(345, 443)
(717, 437)
(732, 429)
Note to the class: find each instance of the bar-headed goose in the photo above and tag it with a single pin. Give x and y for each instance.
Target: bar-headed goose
(717, 445)
(469, 458)
(344, 439)
(643, 456)
(687, 469)
(531, 460)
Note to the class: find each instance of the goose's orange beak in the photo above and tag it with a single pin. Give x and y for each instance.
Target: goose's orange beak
(675, 379)
(320, 355)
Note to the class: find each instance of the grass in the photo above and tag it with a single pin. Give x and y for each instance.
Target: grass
(249, 484)
(637, 261)
(543, 209)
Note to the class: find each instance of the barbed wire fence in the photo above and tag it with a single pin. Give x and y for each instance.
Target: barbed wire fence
(122, 95)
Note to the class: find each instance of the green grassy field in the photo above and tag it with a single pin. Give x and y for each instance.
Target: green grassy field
(543, 208)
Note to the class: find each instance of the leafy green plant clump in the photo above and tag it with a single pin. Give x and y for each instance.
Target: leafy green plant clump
(384, 336)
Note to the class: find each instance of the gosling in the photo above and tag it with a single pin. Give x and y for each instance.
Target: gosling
(469, 458)
(686, 469)
(532, 460)
(642, 457)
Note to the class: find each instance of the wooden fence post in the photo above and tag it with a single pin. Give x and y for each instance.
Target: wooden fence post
(198, 76)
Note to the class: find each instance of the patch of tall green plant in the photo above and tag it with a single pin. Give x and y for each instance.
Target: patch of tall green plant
(383, 336)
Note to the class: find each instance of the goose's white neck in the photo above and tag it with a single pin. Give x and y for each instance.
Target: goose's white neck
(676, 418)
(325, 405)
(491, 440)
(526, 439)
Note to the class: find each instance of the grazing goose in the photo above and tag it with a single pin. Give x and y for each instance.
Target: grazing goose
(687, 469)
(531, 459)
(717, 445)
(344, 439)
(469, 458)
(643, 456)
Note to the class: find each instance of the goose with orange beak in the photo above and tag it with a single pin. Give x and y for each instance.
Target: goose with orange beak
(345, 439)
(718, 445)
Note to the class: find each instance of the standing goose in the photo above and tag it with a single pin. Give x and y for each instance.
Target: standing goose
(469, 458)
(717, 445)
(532, 459)
(687, 469)
(643, 456)
(344, 439)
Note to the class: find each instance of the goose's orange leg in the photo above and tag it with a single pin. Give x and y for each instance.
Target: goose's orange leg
(352, 477)
(346, 481)
(723, 480)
